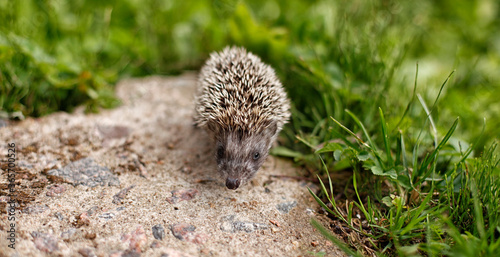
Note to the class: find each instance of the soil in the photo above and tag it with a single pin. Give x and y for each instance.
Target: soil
(141, 180)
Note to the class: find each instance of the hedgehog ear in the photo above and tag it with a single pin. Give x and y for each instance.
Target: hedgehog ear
(272, 129)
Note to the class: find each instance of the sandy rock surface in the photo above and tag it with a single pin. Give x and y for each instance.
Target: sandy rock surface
(140, 180)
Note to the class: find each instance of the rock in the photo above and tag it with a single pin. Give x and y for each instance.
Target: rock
(87, 173)
(286, 207)
(158, 231)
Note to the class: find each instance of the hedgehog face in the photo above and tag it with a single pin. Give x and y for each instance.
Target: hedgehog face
(239, 156)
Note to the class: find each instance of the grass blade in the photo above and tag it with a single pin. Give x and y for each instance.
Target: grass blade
(431, 158)
(350, 132)
(408, 107)
(386, 138)
(343, 246)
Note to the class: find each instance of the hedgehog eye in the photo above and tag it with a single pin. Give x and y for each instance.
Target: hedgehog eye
(256, 155)
(220, 152)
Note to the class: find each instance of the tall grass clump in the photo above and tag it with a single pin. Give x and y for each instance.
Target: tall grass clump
(427, 196)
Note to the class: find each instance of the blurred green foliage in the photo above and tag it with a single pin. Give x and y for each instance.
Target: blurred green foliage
(356, 55)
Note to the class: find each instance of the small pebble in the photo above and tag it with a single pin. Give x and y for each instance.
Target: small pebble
(185, 232)
(118, 198)
(158, 231)
(3, 123)
(155, 244)
(182, 195)
(86, 252)
(55, 190)
(92, 210)
(82, 220)
(169, 252)
(113, 132)
(275, 222)
(45, 242)
(107, 215)
(230, 224)
(310, 212)
(181, 230)
(130, 253)
(59, 216)
(137, 239)
(66, 235)
(286, 207)
(37, 209)
(90, 235)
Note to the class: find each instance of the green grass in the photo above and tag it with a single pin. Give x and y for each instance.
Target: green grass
(395, 103)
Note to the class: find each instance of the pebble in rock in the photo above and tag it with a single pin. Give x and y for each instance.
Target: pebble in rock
(37, 209)
(45, 242)
(82, 220)
(169, 252)
(3, 123)
(286, 207)
(118, 198)
(229, 224)
(55, 190)
(68, 234)
(107, 215)
(137, 239)
(185, 232)
(59, 216)
(155, 244)
(130, 253)
(113, 132)
(87, 252)
(158, 231)
(182, 195)
(86, 172)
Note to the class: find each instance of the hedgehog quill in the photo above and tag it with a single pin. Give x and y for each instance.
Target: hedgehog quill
(243, 106)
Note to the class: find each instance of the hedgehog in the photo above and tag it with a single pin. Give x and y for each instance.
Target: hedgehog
(242, 104)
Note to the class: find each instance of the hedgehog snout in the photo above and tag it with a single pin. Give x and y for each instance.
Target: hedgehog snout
(232, 183)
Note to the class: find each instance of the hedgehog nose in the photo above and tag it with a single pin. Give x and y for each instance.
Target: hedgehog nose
(232, 183)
